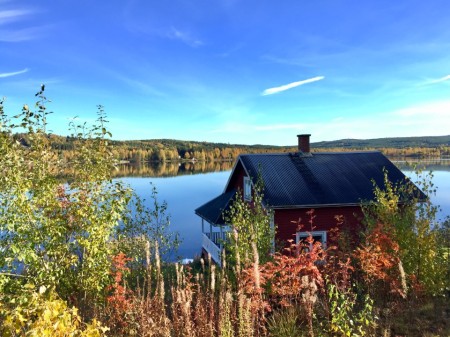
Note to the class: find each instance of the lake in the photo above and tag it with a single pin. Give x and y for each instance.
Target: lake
(187, 186)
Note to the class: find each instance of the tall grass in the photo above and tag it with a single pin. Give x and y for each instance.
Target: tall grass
(303, 292)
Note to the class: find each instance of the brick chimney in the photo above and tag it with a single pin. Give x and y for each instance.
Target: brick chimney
(303, 143)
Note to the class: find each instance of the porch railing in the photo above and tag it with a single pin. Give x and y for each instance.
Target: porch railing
(217, 237)
(212, 249)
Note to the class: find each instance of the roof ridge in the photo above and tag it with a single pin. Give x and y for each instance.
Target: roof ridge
(312, 153)
(265, 154)
(347, 152)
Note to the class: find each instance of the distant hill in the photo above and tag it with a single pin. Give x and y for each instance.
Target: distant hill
(191, 145)
(161, 150)
(393, 142)
(396, 142)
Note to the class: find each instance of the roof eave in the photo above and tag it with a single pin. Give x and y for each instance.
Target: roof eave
(315, 206)
(210, 221)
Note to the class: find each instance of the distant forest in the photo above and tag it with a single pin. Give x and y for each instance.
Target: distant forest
(168, 150)
(398, 143)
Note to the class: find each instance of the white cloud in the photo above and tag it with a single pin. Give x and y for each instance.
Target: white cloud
(3, 75)
(439, 80)
(433, 111)
(281, 88)
(24, 34)
(430, 119)
(12, 15)
(184, 37)
(10, 32)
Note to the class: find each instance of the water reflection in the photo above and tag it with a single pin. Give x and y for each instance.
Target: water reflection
(423, 164)
(171, 169)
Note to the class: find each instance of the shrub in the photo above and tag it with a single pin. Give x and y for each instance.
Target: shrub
(409, 222)
(61, 222)
(43, 313)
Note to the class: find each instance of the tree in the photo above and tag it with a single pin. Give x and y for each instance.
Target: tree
(250, 223)
(410, 222)
(60, 221)
(57, 234)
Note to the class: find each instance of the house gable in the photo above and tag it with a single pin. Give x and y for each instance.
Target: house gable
(236, 179)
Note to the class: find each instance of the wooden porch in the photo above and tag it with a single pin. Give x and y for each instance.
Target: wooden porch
(213, 241)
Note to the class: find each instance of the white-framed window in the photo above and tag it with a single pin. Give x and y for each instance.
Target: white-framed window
(247, 189)
(318, 236)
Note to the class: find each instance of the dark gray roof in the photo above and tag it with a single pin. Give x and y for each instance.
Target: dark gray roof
(213, 210)
(293, 180)
(321, 179)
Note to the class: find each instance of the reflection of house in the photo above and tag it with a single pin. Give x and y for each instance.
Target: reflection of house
(294, 183)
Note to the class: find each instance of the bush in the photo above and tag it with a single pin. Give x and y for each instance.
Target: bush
(43, 313)
(61, 221)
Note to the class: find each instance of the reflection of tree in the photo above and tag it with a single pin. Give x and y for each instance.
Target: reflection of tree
(171, 169)
(422, 164)
(167, 169)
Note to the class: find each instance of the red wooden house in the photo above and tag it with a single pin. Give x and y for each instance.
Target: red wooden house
(294, 183)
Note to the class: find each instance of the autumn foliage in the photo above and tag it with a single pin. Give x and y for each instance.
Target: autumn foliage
(74, 261)
(379, 261)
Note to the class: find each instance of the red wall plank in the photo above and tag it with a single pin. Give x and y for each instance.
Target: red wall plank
(287, 221)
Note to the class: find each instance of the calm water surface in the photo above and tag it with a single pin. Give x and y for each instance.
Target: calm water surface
(185, 193)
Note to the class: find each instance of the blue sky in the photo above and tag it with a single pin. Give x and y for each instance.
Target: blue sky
(240, 72)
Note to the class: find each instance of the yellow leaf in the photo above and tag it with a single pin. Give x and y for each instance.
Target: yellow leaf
(21, 318)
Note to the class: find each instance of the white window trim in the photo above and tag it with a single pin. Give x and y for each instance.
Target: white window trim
(303, 235)
(247, 189)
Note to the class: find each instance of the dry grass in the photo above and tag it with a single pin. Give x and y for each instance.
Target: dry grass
(241, 300)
